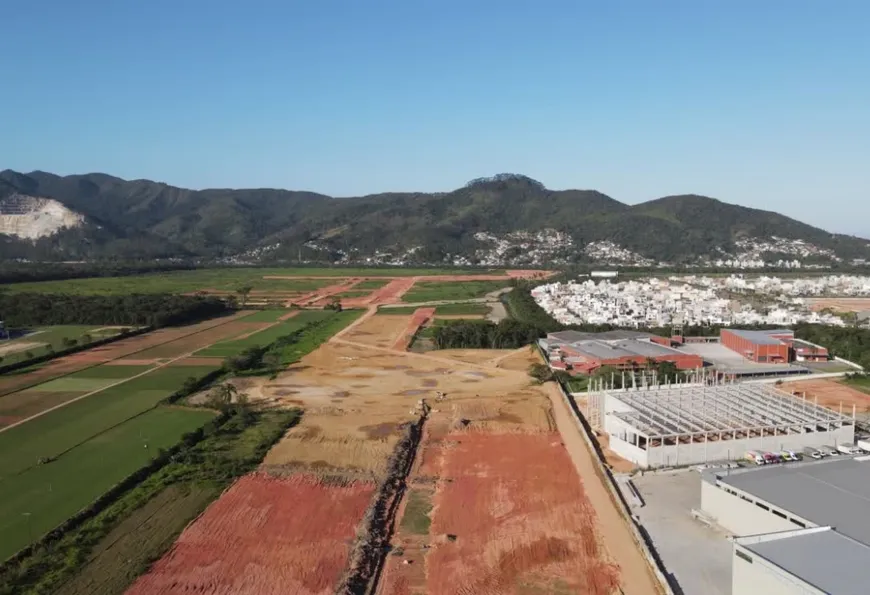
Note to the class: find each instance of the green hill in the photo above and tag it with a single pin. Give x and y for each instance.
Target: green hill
(143, 219)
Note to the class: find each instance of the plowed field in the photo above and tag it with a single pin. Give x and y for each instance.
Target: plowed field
(264, 536)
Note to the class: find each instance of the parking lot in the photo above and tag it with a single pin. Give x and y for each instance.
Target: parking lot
(698, 557)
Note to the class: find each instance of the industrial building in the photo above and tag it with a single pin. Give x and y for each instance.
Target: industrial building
(584, 353)
(684, 424)
(800, 528)
(777, 346)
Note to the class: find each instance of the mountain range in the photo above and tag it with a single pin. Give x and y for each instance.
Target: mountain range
(507, 219)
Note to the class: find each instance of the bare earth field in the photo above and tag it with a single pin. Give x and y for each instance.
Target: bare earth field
(831, 394)
(840, 304)
(264, 536)
(495, 501)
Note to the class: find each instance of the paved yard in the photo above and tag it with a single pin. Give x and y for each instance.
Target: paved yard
(698, 557)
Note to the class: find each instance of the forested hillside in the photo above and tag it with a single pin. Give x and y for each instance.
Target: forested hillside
(504, 220)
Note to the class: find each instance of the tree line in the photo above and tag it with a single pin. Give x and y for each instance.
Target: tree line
(154, 310)
(483, 334)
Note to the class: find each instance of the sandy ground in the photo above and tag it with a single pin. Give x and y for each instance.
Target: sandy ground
(830, 394)
(840, 304)
(380, 331)
(16, 347)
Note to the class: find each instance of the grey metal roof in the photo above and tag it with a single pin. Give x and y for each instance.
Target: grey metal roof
(827, 493)
(761, 337)
(646, 348)
(573, 336)
(827, 560)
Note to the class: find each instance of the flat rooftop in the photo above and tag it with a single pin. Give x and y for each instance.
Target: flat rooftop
(691, 409)
(826, 493)
(731, 362)
(617, 335)
(761, 337)
(828, 560)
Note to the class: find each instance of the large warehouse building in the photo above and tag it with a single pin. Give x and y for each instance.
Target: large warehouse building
(584, 353)
(685, 424)
(771, 346)
(799, 529)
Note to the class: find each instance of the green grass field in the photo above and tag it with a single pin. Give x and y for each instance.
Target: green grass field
(370, 284)
(430, 291)
(227, 279)
(57, 431)
(264, 337)
(103, 555)
(416, 518)
(265, 316)
(41, 497)
(353, 293)
(49, 335)
(444, 310)
(314, 337)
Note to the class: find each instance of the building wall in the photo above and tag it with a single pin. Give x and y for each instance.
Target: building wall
(760, 576)
(705, 452)
(760, 352)
(739, 516)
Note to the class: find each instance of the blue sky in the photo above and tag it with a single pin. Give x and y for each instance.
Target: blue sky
(765, 104)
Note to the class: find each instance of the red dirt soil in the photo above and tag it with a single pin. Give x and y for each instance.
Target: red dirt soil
(421, 316)
(521, 518)
(264, 536)
(830, 394)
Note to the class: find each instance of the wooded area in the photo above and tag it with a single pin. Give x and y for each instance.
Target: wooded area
(155, 310)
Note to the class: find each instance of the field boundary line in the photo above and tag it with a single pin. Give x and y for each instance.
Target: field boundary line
(94, 392)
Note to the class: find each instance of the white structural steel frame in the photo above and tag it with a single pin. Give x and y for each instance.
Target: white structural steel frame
(719, 412)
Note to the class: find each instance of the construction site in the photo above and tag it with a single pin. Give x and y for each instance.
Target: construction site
(705, 421)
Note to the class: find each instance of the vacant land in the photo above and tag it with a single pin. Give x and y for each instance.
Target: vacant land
(264, 535)
(840, 304)
(37, 498)
(831, 393)
(431, 291)
(379, 331)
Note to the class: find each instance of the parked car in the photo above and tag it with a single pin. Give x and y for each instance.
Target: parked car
(814, 453)
(787, 455)
(771, 458)
(755, 457)
(864, 445)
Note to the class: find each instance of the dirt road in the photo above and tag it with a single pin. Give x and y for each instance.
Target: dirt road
(636, 575)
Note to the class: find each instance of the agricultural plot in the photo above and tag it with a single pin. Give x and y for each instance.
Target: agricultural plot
(202, 339)
(37, 498)
(264, 535)
(227, 280)
(264, 337)
(267, 316)
(432, 291)
(442, 310)
(57, 431)
(371, 284)
(118, 350)
(379, 331)
(38, 342)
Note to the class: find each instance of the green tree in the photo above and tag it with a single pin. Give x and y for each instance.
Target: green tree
(243, 292)
(541, 372)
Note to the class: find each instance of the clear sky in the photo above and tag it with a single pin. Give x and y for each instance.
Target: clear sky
(760, 103)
